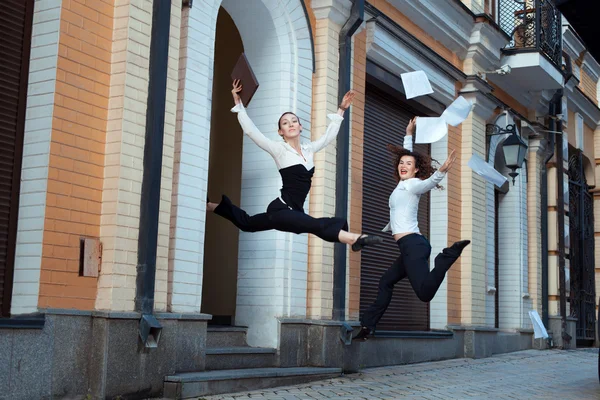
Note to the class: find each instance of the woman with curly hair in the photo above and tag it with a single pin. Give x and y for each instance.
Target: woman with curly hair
(294, 161)
(416, 176)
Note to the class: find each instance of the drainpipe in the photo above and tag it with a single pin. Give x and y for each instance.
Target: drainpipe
(343, 156)
(149, 328)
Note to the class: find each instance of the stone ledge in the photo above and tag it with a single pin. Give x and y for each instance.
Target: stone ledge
(414, 334)
(249, 373)
(184, 316)
(303, 321)
(473, 328)
(125, 314)
(66, 311)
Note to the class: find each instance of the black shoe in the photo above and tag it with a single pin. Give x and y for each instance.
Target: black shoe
(366, 240)
(456, 249)
(363, 334)
(460, 245)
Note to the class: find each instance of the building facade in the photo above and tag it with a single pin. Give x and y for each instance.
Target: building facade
(117, 126)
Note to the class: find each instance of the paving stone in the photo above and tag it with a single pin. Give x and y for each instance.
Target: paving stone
(530, 374)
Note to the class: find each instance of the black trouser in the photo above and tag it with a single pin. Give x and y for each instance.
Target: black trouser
(282, 218)
(414, 263)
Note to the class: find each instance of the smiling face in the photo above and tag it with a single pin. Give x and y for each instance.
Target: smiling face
(407, 168)
(289, 126)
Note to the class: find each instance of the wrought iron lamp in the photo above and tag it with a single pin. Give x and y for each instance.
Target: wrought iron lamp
(514, 148)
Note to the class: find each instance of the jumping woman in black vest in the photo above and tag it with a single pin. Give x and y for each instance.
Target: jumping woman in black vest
(295, 164)
(415, 176)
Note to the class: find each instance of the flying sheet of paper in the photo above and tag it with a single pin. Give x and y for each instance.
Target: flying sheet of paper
(430, 129)
(415, 84)
(485, 170)
(539, 330)
(457, 112)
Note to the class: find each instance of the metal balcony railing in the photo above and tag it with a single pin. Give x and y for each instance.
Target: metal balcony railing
(533, 25)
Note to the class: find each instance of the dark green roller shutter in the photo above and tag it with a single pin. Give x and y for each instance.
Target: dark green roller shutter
(385, 123)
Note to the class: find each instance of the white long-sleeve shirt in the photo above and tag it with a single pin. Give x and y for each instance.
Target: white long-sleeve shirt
(404, 200)
(284, 154)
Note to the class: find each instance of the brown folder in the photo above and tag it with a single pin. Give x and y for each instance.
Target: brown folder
(243, 72)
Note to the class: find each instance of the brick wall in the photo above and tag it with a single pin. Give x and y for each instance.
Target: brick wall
(438, 232)
(356, 168)
(186, 249)
(76, 167)
(453, 179)
(512, 247)
(124, 154)
(36, 148)
(472, 203)
(534, 222)
(589, 86)
(322, 199)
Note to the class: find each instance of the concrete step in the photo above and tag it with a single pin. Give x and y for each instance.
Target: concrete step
(240, 357)
(226, 336)
(195, 384)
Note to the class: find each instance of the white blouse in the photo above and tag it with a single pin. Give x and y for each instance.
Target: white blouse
(404, 200)
(284, 154)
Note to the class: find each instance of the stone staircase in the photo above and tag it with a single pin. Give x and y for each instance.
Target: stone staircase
(226, 348)
(233, 366)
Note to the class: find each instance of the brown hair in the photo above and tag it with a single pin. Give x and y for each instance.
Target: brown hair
(423, 162)
(286, 113)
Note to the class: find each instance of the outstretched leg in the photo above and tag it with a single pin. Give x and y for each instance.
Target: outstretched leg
(280, 217)
(416, 260)
(388, 280)
(240, 218)
(328, 229)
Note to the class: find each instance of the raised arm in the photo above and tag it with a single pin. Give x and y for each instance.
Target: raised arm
(334, 126)
(418, 186)
(408, 139)
(268, 145)
(330, 134)
(423, 186)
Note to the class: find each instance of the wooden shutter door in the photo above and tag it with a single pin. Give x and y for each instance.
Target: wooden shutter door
(385, 123)
(16, 19)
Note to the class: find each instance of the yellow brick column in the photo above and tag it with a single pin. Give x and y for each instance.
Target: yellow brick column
(537, 153)
(473, 205)
(553, 293)
(125, 134)
(359, 75)
(330, 16)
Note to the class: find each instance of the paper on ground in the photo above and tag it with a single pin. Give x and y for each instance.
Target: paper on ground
(539, 331)
(430, 129)
(485, 170)
(457, 112)
(415, 84)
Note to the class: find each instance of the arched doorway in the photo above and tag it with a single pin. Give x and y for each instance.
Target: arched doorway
(271, 266)
(224, 176)
(582, 297)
